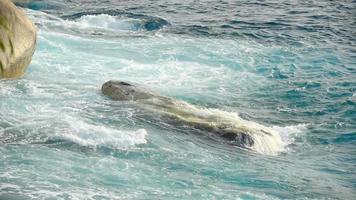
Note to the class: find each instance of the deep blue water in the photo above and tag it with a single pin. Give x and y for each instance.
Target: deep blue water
(289, 65)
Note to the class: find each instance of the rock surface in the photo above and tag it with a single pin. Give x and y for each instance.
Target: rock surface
(226, 125)
(124, 91)
(17, 40)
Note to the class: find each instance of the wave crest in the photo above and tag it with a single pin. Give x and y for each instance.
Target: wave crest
(118, 20)
(86, 134)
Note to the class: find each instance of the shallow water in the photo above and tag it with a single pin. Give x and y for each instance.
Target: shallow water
(289, 66)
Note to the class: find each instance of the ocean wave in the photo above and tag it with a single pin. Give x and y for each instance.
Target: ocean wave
(118, 20)
(104, 21)
(276, 141)
(98, 25)
(86, 134)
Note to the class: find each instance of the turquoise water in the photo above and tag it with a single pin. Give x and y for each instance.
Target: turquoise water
(288, 66)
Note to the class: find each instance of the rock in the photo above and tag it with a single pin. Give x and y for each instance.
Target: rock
(17, 40)
(124, 91)
(226, 125)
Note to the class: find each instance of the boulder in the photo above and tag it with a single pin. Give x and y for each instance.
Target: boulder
(17, 40)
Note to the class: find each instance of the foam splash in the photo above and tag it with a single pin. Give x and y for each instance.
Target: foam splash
(85, 134)
(269, 144)
(289, 133)
(276, 141)
(97, 23)
(105, 21)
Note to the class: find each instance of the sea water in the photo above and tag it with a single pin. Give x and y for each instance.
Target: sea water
(288, 65)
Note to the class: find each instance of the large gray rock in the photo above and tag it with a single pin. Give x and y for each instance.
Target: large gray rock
(17, 40)
(226, 125)
(124, 91)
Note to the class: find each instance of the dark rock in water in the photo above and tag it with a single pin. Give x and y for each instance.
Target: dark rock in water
(17, 40)
(223, 124)
(124, 91)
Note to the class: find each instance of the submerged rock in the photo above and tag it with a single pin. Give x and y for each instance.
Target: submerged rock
(226, 125)
(17, 40)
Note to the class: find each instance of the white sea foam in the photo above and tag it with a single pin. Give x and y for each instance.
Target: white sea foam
(86, 134)
(87, 22)
(4, 186)
(289, 133)
(104, 21)
(266, 140)
(278, 139)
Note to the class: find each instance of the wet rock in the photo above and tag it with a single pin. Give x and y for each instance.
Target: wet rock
(227, 126)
